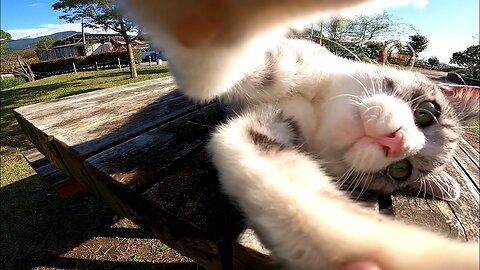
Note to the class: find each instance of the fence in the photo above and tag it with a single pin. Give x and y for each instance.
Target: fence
(120, 63)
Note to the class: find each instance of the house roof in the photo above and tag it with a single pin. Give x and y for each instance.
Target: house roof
(97, 38)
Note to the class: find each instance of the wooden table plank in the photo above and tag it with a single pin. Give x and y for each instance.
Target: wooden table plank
(180, 181)
(62, 113)
(148, 156)
(457, 219)
(179, 186)
(40, 110)
(249, 253)
(468, 158)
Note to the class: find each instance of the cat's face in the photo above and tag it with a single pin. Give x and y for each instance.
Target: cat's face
(392, 131)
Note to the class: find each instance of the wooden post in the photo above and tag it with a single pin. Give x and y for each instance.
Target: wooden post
(119, 64)
(74, 68)
(149, 61)
(96, 65)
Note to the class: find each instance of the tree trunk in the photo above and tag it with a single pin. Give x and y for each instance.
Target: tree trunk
(409, 60)
(131, 59)
(25, 70)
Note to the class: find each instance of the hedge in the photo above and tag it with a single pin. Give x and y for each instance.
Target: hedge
(59, 65)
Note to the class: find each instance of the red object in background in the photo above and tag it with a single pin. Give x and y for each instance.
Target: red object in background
(380, 57)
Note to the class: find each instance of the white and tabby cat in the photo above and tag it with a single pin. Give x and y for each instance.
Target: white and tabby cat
(311, 118)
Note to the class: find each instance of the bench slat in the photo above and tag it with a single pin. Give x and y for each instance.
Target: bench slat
(147, 157)
(61, 183)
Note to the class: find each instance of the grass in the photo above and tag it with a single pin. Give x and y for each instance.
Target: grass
(11, 82)
(14, 142)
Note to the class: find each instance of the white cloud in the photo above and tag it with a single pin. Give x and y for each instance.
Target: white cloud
(48, 29)
(36, 5)
(378, 6)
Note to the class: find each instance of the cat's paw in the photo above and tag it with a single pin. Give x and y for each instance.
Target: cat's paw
(194, 23)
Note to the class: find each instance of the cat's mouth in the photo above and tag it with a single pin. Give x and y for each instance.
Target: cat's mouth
(392, 143)
(373, 153)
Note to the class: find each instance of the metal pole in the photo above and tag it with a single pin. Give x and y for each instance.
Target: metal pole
(149, 61)
(74, 68)
(119, 64)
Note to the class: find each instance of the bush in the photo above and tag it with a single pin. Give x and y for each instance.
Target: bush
(11, 82)
(66, 65)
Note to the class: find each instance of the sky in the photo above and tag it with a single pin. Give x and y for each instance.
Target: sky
(449, 25)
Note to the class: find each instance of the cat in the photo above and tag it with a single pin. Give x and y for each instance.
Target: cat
(309, 118)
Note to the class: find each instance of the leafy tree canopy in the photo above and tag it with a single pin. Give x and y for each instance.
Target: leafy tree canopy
(417, 43)
(433, 61)
(100, 14)
(3, 36)
(470, 59)
(45, 44)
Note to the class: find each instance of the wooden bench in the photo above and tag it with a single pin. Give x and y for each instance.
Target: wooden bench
(63, 185)
(140, 147)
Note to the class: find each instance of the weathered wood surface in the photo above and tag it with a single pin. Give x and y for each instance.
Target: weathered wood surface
(141, 148)
(459, 219)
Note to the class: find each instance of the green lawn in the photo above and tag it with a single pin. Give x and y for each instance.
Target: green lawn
(13, 167)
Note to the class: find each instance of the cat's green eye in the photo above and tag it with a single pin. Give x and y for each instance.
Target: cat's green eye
(400, 170)
(426, 113)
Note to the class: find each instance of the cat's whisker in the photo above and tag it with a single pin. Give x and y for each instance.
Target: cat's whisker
(345, 177)
(373, 83)
(361, 84)
(429, 112)
(355, 183)
(421, 187)
(353, 97)
(366, 184)
(411, 102)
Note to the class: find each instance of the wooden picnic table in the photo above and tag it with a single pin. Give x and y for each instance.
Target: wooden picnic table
(140, 147)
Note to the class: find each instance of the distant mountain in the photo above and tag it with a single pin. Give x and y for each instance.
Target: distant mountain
(26, 43)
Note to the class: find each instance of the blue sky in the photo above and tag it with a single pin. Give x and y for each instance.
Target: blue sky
(450, 25)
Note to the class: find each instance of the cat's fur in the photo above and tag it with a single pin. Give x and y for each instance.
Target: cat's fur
(309, 118)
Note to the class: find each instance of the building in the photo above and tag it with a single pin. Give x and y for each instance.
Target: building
(73, 46)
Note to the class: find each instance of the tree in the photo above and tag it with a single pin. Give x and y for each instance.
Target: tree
(362, 35)
(469, 59)
(416, 44)
(45, 44)
(433, 61)
(103, 14)
(364, 29)
(3, 37)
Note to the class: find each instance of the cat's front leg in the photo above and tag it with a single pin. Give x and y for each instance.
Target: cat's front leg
(300, 215)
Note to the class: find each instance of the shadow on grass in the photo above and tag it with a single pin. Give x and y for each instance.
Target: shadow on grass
(38, 227)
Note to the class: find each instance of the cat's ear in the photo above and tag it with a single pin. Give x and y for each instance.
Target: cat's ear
(439, 185)
(465, 100)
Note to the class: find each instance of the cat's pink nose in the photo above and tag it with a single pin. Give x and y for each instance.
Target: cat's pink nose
(392, 143)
